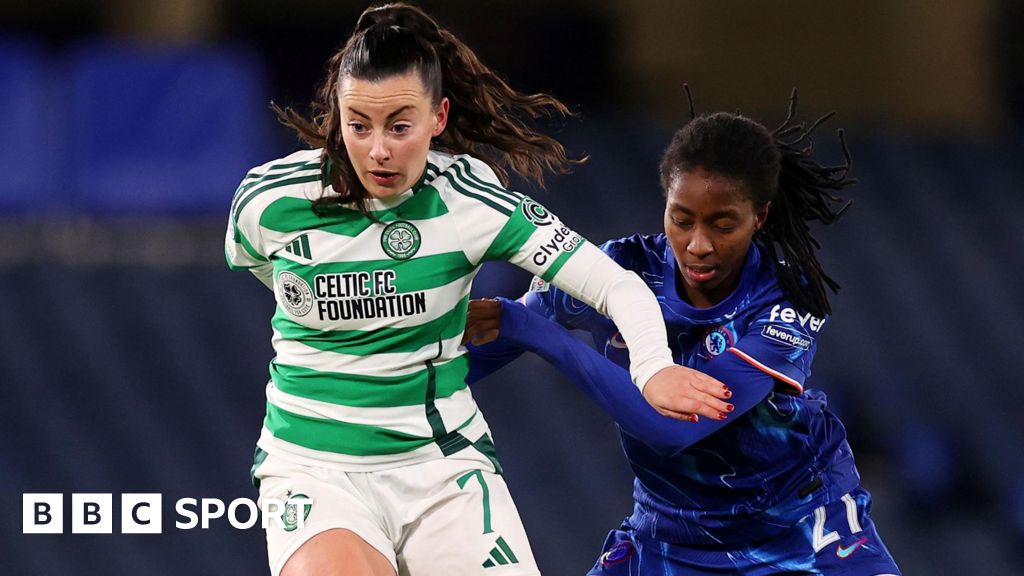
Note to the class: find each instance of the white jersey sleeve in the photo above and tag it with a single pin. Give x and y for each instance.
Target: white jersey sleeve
(246, 245)
(244, 250)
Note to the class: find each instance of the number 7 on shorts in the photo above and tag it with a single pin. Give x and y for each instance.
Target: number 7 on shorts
(463, 480)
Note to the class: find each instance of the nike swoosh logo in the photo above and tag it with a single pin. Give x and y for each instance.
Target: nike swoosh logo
(844, 552)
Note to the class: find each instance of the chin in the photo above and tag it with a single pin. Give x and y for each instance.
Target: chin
(382, 193)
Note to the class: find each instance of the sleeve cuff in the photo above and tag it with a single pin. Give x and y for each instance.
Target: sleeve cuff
(643, 372)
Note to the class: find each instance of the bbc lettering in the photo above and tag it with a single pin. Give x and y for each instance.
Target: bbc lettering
(91, 513)
(142, 513)
(42, 514)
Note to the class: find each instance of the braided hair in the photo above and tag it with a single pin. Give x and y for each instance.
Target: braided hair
(488, 119)
(778, 167)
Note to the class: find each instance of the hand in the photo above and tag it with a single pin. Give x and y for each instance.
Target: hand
(483, 322)
(681, 393)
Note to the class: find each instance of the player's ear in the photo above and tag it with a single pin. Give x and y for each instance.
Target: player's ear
(440, 117)
(761, 216)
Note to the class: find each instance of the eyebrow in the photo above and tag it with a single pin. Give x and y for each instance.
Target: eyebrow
(713, 216)
(390, 116)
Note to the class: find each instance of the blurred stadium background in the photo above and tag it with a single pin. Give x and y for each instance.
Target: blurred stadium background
(134, 361)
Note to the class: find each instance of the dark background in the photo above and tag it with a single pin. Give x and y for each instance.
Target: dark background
(134, 361)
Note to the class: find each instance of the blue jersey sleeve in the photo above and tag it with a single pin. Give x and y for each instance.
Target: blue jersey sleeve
(488, 358)
(610, 387)
(781, 341)
(545, 300)
(557, 306)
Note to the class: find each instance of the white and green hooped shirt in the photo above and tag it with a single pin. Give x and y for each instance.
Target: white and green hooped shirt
(369, 371)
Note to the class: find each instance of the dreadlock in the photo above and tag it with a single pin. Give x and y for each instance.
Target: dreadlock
(778, 167)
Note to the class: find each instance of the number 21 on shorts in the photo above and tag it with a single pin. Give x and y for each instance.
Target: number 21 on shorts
(820, 538)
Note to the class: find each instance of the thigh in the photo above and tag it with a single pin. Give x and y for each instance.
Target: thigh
(625, 553)
(337, 552)
(838, 538)
(844, 540)
(461, 522)
(335, 504)
(619, 556)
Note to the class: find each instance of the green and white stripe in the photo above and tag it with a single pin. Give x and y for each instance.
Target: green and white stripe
(378, 390)
(296, 353)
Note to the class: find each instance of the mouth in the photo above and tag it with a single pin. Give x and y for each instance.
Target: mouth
(699, 273)
(383, 177)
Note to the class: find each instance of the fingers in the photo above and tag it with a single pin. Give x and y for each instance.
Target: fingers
(684, 407)
(686, 394)
(684, 416)
(713, 407)
(708, 385)
(484, 337)
(483, 320)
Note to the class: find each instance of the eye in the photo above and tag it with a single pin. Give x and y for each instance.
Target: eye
(357, 127)
(401, 128)
(682, 224)
(725, 229)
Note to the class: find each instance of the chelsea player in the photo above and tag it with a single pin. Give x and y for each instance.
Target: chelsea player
(773, 489)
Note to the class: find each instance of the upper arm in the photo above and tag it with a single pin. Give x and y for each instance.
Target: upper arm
(248, 245)
(499, 224)
(243, 243)
(781, 342)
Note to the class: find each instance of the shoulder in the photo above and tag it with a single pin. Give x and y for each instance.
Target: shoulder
(296, 175)
(301, 163)
(468, 181)
(631, 251)
(767, 296)
(780, 325)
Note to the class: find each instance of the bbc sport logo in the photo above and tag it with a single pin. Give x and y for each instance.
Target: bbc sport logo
(93, 513)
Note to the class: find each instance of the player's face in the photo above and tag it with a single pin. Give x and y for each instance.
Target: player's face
(710, 221)
(387, 126)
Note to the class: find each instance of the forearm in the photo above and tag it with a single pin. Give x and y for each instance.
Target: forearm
(486, 359)
(608, 384)
(595, 279)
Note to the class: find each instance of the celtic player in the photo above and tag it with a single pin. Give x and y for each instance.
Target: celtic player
(370, 242)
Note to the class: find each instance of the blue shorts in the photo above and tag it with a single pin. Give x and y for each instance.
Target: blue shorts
(836, 539)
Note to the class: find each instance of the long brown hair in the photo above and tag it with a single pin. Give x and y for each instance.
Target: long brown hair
(487, 118)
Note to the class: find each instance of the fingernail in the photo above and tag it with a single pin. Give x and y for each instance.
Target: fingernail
(728, 394)
(694, 418)
(721, 415)
(729, 407)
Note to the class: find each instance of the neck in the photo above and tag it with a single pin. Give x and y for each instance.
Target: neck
(705, 298)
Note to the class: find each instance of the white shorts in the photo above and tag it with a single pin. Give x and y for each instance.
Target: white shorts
(445, 516)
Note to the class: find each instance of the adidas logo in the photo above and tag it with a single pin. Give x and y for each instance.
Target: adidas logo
(500, 555)
(300, 247)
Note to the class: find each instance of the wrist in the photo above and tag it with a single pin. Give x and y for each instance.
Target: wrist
(513, 322)
(645, 372)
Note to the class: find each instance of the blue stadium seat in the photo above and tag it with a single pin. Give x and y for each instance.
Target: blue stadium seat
(163, 129)
(25, 123)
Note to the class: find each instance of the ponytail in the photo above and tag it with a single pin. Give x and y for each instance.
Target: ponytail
(487, 118)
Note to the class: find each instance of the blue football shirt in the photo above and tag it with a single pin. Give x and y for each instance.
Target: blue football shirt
(762, 471)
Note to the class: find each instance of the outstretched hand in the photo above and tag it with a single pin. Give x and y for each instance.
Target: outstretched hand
(483, 322)
(683, 393)
(677, 392)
